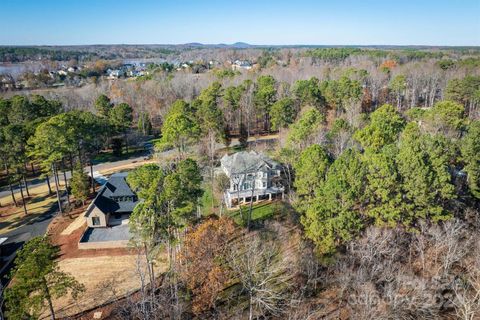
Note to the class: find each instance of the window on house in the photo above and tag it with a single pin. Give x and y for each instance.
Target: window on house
(264, 184)
(235, 187)
(96, 221)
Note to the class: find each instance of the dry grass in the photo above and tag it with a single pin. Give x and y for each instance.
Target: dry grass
(76, 224)
(38, 203)
(107, 274)
(38, 190)
(125, 167)
(12, 217)
(104, 278)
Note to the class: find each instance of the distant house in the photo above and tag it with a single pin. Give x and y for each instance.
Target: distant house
(253, 177)
(115, 74)
(241, 64)
(136, 73)
(113, 204)
(7, 82)
(214, 64)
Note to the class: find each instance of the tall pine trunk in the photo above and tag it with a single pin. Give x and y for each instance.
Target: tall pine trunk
(249, 216)
(10, 186)
(126, 141)
(71, 165)
(48, 184)
(23, 198)
(91, 176)
(65, 180)
(55, 175)
(212, 159)
(49, 299)
(26, 185)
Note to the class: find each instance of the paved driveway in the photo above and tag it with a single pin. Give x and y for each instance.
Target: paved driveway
(115, 233)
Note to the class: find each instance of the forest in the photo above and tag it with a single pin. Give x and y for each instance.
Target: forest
(381, 157)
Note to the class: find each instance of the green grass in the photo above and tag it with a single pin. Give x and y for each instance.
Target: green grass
(206, 201)
(231, 149)
(108, 156)
(156, 140)
(260, 212)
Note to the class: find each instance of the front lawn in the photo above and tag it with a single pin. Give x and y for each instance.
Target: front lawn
(260, 212)
(206, 201)
(108, 156)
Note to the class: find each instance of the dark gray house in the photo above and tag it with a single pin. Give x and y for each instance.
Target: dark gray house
(113, 204)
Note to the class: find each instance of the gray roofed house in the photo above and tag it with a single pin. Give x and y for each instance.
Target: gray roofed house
(114, 202)
(241, 64)
(253, 177)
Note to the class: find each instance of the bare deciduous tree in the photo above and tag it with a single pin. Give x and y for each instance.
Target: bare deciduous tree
(261, 273)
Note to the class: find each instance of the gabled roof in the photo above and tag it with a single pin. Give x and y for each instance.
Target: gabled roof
(117, 186)
(242, 162)
(105, 200)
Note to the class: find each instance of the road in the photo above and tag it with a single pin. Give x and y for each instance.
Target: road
(17, 237)
(97, 167)
(106, 166)
(38, 226)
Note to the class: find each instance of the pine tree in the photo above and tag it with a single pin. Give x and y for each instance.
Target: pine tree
(37, 281)
(80, 184)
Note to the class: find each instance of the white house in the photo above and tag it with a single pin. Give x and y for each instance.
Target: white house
(253, 177)
(241, 64)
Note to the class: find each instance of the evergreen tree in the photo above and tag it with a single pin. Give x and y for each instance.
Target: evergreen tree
(308, 93)
(180, 127)
(383, 192)
(470, 147)
(424, 165)
(243, 138)
(37, 281)
(80, 184)
(282, 113)
(384, 127)
(264, 96)
(310, 171)
(302, 131)
(333, 218)
(103, 106)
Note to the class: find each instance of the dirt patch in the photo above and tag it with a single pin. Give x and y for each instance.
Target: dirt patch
(107, 274)
(68, 243)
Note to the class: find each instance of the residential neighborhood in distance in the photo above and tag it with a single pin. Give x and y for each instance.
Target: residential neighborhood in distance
(304, 160)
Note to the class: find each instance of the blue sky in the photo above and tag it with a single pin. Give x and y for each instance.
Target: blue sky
(362, 22)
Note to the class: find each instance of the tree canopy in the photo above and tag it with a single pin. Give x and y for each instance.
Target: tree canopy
(384, 127)
(37, 281)
(282, 113)
(180, 127)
